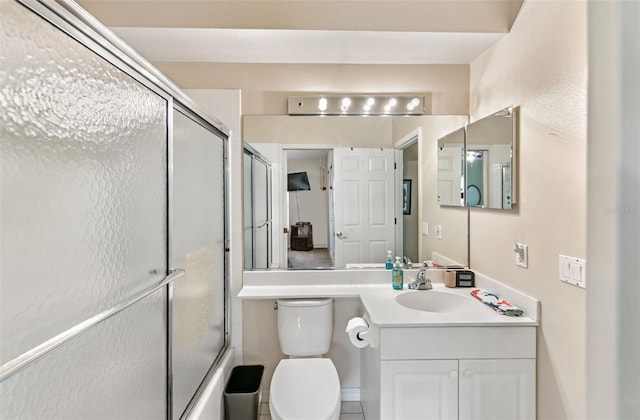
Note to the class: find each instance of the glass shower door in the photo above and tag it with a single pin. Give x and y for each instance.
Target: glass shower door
(83, 212)
(198, 247)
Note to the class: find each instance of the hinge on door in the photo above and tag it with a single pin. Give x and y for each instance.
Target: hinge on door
(395, 166)
(395, 220)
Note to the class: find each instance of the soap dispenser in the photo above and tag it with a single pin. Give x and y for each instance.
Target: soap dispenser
(397, 280)
(389, 264)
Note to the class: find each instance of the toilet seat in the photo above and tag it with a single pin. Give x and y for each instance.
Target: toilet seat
(305, 389)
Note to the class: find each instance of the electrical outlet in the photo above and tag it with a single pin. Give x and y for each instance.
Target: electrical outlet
(521, 253)
(438, 230)
(425, 228)
(572, 270)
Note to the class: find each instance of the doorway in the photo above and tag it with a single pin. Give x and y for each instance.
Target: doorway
(309, 204)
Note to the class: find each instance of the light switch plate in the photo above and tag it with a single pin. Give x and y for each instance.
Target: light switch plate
(572, 270)
(521, 252)
(438, 230)
(425, 228)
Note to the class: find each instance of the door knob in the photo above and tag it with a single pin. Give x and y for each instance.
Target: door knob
(340, 235)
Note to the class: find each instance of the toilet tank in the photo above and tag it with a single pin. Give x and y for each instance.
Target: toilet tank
(305, 326)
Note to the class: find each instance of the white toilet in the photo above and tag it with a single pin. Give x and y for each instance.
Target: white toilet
(305, 386)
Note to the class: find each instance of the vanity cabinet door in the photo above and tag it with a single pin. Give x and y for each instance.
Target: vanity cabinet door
(419, 389)
(498, 389)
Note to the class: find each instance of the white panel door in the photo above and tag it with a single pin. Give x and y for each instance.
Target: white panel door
(363, 205)
(449, 176)
(498, 389)
(419, 390)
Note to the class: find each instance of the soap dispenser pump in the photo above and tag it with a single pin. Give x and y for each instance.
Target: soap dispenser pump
(389, 264)
(397, 280)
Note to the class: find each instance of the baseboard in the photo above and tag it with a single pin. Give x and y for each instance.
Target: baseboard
(350, 394)
(346, 394)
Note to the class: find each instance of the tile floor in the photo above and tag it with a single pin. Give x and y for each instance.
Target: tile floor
(349, 410)
(317, 257)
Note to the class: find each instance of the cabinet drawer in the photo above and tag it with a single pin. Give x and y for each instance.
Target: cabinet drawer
(458, 343)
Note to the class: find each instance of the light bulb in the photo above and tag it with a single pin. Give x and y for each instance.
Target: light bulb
(322, 104)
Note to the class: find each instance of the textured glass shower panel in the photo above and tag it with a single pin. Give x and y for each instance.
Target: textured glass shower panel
(83, 197)
(248, 211)
(116, 370)
(197, 244)
(261, 213)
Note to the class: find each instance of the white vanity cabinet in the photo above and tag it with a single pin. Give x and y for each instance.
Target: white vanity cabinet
(419, 389)
(484, 372)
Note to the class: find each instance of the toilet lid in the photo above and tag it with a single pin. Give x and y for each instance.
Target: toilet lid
(305, 389)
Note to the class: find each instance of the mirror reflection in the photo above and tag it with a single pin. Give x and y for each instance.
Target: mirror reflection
(309, 208)
(257, 210)
(490, 163)
(355, 169)
(451, 168)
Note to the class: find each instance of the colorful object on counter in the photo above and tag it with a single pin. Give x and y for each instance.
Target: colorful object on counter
(429, 263)
(501, 306)
(397, 278)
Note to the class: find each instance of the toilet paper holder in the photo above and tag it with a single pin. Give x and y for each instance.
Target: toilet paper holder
(362, 332)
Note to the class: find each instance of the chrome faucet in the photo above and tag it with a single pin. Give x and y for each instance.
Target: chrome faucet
(422, 281)
(407, 262)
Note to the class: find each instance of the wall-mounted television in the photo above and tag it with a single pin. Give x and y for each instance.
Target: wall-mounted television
(298, 181)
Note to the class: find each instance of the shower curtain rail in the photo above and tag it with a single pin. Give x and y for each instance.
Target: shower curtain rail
(16, 365)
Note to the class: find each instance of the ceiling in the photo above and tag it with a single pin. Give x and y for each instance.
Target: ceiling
(308, 31)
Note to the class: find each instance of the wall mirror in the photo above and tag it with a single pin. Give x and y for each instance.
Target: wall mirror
(343, 159)
(490, 161)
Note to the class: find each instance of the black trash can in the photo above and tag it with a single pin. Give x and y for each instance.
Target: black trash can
(243, 393)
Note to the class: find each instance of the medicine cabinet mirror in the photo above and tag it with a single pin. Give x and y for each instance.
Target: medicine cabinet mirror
(490, 161)
(477, 163)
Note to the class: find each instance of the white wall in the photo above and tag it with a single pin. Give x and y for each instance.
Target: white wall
(541, 67)
(313, 204)
(265, 87)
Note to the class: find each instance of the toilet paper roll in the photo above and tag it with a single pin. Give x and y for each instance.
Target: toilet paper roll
(358, 331)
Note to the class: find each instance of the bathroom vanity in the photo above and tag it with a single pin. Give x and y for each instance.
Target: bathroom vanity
(450, 373)
(431, 354)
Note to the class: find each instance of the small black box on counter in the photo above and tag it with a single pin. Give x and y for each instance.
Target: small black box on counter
(459, 278)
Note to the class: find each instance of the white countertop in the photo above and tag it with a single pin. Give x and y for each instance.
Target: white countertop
(378, 298)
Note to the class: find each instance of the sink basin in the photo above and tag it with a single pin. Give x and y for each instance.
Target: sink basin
(430, 301)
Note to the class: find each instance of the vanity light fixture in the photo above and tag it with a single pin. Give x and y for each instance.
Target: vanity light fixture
(356, 105)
